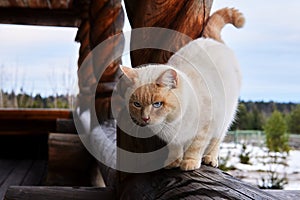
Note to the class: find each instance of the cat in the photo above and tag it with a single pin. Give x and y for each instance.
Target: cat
(189, 102)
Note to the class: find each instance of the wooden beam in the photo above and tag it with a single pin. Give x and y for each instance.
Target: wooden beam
(31, 121)
(54, 4)
(58, 193)
(42, 17)
(34, 114)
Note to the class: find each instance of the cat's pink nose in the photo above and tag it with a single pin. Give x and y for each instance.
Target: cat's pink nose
(146, 119)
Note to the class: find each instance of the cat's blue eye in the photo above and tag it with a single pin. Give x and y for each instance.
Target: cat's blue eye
(137, 104)
(157, 104)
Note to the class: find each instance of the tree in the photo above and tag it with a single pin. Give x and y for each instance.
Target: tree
(242, 118)
(276, 133)
(255, 119)
(277, 143)
(294, 120)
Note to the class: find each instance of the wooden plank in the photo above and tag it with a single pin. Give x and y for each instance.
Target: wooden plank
(59, 193)
(6, 167)
(16, 176)
(34, 114)
(36, 174)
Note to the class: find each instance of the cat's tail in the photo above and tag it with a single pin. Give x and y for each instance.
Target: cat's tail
(219, 19)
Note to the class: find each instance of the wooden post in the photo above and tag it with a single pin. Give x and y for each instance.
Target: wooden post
(185, 16)
(106, 19)
(100, 20)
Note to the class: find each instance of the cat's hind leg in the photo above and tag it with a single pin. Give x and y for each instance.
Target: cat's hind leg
(212, 152)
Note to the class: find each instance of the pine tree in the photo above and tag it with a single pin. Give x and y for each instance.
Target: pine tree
(242, 118)
(276, 133)
(294, 120)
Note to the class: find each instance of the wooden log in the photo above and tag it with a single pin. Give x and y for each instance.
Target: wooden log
(187, 17)
(69, 162)
(58, 193)
(205, 183)
(285, 194)
(65, 126)
(21, 172)
(106, 20)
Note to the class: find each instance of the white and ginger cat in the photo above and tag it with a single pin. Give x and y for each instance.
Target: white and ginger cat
(191, 101)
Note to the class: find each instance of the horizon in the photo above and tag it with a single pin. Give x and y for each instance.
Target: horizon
(269, 61)
(63, 95)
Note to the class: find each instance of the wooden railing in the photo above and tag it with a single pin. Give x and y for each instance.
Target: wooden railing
(30, 121)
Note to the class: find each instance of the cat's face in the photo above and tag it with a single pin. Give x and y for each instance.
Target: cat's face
(153, 103)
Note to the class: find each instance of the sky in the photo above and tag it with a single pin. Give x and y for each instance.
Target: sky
(42, 59)
(267, 47)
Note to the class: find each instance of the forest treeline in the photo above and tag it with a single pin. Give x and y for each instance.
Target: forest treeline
(24, 100)
(254, 115)
(250, 116)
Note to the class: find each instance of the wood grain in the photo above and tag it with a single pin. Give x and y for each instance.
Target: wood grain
(187, 17)
(53, 4)
(20, 172)
(58, 193)
(205, 183)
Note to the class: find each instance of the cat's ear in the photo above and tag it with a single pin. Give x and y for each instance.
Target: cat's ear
(168, 78)
(130, 73)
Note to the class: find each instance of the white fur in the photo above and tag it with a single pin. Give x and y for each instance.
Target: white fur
(209, 82)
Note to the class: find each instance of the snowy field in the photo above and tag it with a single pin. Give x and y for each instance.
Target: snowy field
(260, 164)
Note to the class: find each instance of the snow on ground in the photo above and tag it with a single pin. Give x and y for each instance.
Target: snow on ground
(260, 164)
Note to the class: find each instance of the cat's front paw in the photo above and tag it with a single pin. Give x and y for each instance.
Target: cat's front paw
(210, 160)
(174, 164)
(190, 164)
